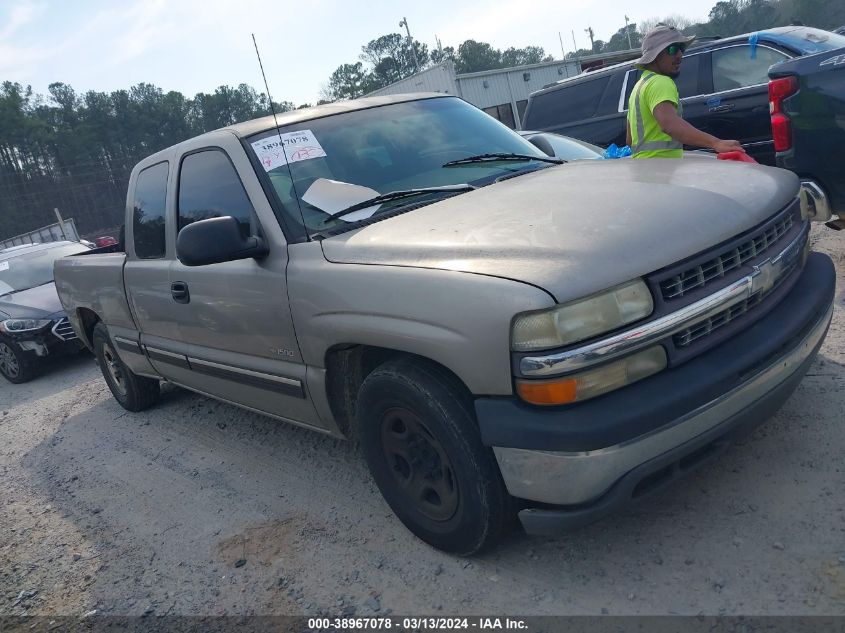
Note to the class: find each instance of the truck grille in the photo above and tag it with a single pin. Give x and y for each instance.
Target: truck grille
(699, 330)
(708, 326)
(699, 276)
(64, 330)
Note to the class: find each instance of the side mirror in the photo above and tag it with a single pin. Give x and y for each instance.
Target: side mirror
(542, 143)
(216, 240)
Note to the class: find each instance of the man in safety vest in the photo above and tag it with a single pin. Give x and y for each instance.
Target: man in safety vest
(655, 127)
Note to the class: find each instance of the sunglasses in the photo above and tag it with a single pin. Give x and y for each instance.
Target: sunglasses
(674, 49)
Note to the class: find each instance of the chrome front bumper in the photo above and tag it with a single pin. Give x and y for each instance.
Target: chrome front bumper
(575, 478)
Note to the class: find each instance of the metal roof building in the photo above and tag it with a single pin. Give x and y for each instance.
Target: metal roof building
(501, 93)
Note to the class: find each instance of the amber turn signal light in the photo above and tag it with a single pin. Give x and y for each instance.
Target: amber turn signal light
(561, 391)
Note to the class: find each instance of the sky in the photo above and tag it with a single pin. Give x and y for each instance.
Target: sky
(195, 46)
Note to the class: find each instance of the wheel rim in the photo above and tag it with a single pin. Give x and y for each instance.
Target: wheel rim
(9, 362)
(112, 364)
(419, 464)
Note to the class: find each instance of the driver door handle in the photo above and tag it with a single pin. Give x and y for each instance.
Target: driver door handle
(179, 292)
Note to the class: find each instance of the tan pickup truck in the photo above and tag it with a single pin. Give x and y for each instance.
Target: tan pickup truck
(501, 332)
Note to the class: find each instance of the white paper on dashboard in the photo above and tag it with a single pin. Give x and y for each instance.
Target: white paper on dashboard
(4, 265)
(331, 196)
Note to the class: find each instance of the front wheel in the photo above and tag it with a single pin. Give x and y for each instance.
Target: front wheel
(133, 392)
(15, 364)
(419, 438)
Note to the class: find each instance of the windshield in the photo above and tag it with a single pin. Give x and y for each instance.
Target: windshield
(809, 40)
(32, 269)
(396, 147)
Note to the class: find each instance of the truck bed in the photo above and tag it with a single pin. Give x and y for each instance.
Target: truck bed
(94, 281)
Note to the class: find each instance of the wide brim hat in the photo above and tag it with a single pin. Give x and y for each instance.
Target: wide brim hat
(658, 39)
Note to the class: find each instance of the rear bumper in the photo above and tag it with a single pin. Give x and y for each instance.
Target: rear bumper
(586, 458)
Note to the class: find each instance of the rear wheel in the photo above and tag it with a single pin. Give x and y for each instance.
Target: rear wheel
(133, 392)
(15, 364)
(421, 443)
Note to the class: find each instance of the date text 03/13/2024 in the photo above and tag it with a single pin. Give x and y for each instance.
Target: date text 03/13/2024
(416, 623)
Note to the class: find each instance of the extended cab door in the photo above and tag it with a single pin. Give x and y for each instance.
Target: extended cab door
(146, 274)
(234, 317)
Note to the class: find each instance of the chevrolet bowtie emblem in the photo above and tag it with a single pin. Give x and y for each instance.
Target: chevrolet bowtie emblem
(764, 276)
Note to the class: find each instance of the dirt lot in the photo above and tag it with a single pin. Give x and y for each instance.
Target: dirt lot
(196, 507)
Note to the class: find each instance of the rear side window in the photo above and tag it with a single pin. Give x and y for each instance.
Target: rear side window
(609, 103)
(148, 212)
(566, 105)
(209, 187)
(734, 67)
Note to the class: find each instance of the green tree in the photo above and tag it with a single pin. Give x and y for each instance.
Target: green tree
(438, 56)
(522, 56)
(392, 58)
(477, 56)
(619, 40)
(349, 81)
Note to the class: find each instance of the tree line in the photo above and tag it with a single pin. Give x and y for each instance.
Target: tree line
(75, 151)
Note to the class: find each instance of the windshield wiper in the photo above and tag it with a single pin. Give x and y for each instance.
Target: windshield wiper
(489, 158)
(396, 195)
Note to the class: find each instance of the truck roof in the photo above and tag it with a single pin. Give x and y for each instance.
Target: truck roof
(248, 128)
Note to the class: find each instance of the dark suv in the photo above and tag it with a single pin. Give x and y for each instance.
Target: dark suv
(723, 87)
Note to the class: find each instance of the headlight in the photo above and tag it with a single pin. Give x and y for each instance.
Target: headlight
(13, 326)
(594, 382)
(580, 320)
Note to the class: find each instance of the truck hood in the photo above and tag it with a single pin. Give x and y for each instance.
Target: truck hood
(40, 302)
(577, 228)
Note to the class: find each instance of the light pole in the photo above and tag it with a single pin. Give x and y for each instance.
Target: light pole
(628, 33)
(404, 23)
(589, 31)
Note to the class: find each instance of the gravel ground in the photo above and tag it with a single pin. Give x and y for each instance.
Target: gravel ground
(198, 508)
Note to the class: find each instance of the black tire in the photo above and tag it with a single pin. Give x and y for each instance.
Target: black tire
(15, 364)
(133, 392)
(417, 431)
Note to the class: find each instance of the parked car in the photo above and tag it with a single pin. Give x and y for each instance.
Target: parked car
(723, 87)
(562, 147)
(499, 331)
(33, 325)
(105, 240)
(807, 103)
